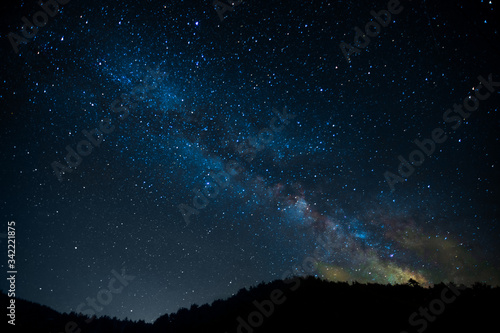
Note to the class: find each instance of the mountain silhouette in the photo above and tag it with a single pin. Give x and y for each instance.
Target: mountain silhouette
(304, 304)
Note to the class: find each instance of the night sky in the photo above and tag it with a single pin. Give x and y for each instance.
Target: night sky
(202, 155)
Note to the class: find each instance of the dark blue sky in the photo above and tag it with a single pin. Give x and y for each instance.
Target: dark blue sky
(259, 132)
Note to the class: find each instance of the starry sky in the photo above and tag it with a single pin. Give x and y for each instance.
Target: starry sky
(202, 155)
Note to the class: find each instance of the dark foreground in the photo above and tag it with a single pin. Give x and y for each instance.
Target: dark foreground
(300, 305)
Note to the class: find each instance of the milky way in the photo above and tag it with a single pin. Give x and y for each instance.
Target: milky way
(204, 155)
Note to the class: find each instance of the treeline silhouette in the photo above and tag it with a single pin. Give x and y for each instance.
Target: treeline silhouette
(300, 305)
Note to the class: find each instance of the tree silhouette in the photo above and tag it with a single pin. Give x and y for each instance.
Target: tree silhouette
(413, 283)
(305, 304)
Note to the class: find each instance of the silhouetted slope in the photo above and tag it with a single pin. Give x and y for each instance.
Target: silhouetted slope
(33, 317)
(309, 305)
(303, 305)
